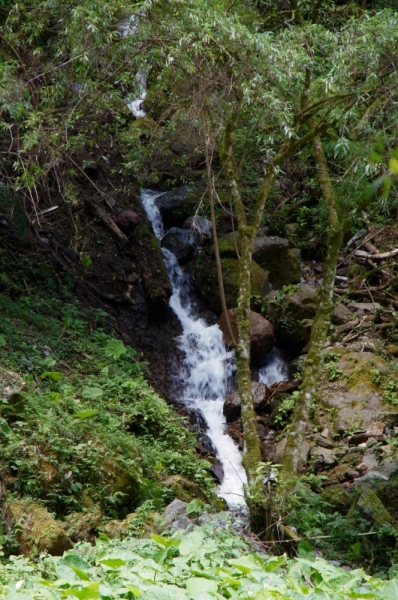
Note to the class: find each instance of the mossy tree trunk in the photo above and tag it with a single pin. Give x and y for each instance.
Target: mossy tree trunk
(256, 497)
(293, 458)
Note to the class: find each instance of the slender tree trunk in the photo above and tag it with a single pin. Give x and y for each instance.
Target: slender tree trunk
(293, 458)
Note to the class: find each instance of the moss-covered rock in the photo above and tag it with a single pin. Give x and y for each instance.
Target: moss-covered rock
(205, 276)
(154, 276)
(183, 488)
(271, 253)
(117, 529)
(35, 530)
(83, 526)
(119, 480)
(338, 497)
(372, 507)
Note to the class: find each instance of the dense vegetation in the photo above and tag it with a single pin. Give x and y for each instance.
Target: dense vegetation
(284, 116)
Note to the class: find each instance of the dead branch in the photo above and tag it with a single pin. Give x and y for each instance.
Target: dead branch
(101, 213)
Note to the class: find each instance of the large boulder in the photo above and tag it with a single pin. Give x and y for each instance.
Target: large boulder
(205, 276)
(352, 390)
(180, 242)
(232, 405)
(127, 220)
(272, 253)
(292, 312)
(36, 531)
(200, 227)
(262, 338)
(178, 204)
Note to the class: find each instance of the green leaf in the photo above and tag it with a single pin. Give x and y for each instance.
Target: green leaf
(133, 590)
(4, 426)
(113, 563)
(305, 550)
(91, 592)
(196, 585)
(274, 563)
(194, 507)
(80, 573)
(390, 590)
(72, 559)
(166, 542)
(55, 396)
(2, 341)
(54, 375)
(393, 166)
(85, 414)
(114, 349)
(91, 393)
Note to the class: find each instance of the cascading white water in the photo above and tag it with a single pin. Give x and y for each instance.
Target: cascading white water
(274, 369)
(206, 367)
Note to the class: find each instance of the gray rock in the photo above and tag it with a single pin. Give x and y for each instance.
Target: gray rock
(182, 523)
(373, 508)
(371, 477)
(324, 458)
(178, 204)
(175, 509)
(341, 314)
(231, 409)
(200, 228)
(180, 242)
(262, 338)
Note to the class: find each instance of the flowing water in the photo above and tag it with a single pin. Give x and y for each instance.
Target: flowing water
(207, 365)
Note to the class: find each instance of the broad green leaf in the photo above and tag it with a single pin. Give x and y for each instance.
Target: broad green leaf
(91, 592)
(134, 590)
(198, 584)
(166, 542)
(54, 375)
(71, 559)
(85, 414)
(114, 563)
(305, 550)
(274, 563)
(390, 590)
(2, 341)
(81, 574)
(4, 426)
(195, 507)
(114, 349)
(55, 396)
(92, 392)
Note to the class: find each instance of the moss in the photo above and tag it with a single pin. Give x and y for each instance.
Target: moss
(205, 276)
(154, 274)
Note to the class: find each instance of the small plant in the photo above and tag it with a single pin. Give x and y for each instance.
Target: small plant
(285, 409)
(377, 376)
(333, 372)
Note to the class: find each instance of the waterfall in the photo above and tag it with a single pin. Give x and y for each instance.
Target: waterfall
(274, 369)
(207, 366)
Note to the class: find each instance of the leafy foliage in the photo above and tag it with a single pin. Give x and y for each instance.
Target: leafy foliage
(203, 564)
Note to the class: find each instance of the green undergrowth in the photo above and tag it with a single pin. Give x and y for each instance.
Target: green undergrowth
(86, 430)
(208, 563)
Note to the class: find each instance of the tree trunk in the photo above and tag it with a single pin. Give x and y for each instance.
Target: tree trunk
(293, 457)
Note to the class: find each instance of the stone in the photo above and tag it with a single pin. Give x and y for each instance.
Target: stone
(182, 523)
(174, 510)
(324, 443)
(183, 488)
(127, 220)
(272, 253)
(370, 478)
(372, 507)
(178, 204)
(267, 449)
(341, 314)
(392, 349)
(324, 458)
(369, 462)
(83, 526)
(204, 273)
(217, 471)
(279, 450)
(338, 497)
(364, 307)
(376, 429)
(262, 338)
(181, 243)
(200, 228)
(232, 405)
(292, 312)
(118, 529)
(35, 529)
(355, 397)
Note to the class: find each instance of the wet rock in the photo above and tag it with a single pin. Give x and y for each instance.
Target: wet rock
(268, 450)
(262, 338)
(174, 510)
(36, 531)
(181, 243)
(217, 471)
(324, 443)
(200, 228)
(182, 523)
(338, 497)
(178, 204)
(127, 220)
(204, 273)
(358, 438)
(232, 405)
(372, 507)
(205, 441)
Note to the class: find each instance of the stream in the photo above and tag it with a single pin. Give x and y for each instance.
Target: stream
(207, 367)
